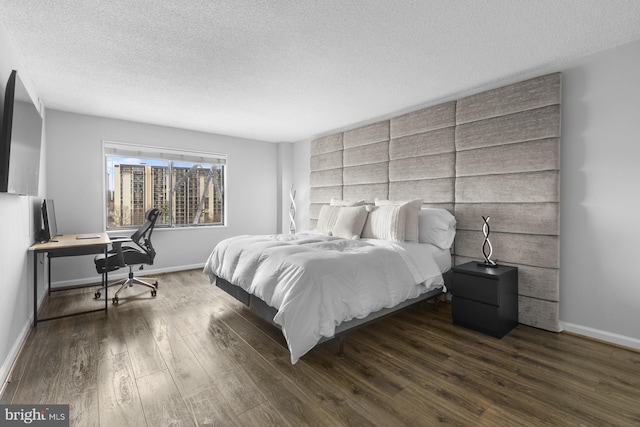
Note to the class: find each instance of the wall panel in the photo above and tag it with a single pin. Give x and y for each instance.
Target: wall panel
(496, 153)
(427, 119)
(366, 192)
(539, 313)
(423, 144)
(376, 152)
(528, 156)
(327, 144)
(326, 167)
(376, 173)
(366, 135)
(530, 187)
(326, 178)
(431, 191)
(508, 168)
(527, 95)
(422, 155)
(518, 127)
(511, 248)
(527, 218)
(424, 167)
(366, 159)
(326, 161)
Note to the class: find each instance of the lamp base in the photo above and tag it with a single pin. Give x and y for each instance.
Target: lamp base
(487, 264)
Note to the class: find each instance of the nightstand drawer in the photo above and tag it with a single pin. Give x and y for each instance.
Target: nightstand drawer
(475, 288)
(477, 316)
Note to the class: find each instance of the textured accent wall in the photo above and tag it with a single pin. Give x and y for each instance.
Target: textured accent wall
(508, 167)
(422, 156)
(496, 153)
(366, 162)
(326, 173)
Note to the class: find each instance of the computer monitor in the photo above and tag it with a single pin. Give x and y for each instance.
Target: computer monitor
(49, 220)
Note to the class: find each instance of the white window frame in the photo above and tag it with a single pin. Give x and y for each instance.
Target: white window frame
(160, 153)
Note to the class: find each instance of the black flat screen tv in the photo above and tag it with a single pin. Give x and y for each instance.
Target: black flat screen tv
(20, 140)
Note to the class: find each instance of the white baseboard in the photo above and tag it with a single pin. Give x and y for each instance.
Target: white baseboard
(7, 365)
(123, 274)
(601, 335)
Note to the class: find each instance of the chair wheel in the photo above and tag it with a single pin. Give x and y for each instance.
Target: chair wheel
(115, 300)
(97, 294)
(153, 293)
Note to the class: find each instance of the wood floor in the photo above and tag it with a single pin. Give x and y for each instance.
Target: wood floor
(193, 356)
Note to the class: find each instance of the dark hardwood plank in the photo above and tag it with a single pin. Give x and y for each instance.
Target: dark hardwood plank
(188, 374)
(315, 387)
(377, 404)
(235, 385)
(40, 381)
(80, 374)
(264, 415)
(119, 400)
(195, 356)
(161, 401)
(9, 392)
(209, 408)
(144, 354)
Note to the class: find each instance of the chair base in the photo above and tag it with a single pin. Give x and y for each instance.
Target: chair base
(128, 282)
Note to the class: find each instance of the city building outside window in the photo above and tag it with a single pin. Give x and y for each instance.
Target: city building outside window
(187, 186)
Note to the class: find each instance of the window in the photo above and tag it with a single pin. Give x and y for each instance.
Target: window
(188, 187)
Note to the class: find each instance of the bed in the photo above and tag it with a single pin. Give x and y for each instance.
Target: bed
(357, 265)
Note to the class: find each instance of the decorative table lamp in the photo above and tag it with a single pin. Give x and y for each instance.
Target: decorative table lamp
(292, 211)
(486, 246)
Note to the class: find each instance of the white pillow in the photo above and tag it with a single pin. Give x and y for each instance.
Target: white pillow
(437, 226)
(385, 223)
(410, 209)
(350, 222)
(327, 219)
(340, 202)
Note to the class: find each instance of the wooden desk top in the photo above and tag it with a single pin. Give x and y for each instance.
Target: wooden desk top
(70, 241)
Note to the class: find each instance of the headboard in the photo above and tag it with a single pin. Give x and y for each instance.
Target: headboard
(496, 153)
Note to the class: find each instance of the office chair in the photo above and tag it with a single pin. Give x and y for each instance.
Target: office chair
(128, 256)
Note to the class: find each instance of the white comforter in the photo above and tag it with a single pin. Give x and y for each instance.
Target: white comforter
(316, 282)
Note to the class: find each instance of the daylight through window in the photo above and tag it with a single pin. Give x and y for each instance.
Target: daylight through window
(188, 187)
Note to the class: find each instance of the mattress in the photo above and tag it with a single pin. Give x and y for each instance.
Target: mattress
(318, 282)
(442, 257)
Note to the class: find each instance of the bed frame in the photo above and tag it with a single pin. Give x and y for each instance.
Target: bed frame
(266, 312)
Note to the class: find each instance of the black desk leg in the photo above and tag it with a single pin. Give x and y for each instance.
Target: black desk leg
(106, 281)
(48, 273)
(35, 289)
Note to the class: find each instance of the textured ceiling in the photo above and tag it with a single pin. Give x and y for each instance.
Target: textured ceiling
(277, 70)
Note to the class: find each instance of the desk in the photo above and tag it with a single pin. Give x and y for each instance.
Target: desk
(61, 246)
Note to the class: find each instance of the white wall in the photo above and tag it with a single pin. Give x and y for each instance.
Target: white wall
(599, 287)
(301, 179)
(285, 180)
(18, 230)
(600, 167)
(75, 182)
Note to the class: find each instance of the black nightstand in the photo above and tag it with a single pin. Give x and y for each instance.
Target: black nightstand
(485, 299)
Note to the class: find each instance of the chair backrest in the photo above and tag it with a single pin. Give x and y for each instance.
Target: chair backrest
(142, 237)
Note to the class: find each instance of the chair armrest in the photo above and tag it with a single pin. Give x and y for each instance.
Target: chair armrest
(116, 243)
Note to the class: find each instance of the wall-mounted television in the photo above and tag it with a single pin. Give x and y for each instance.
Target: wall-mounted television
(20, 140)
